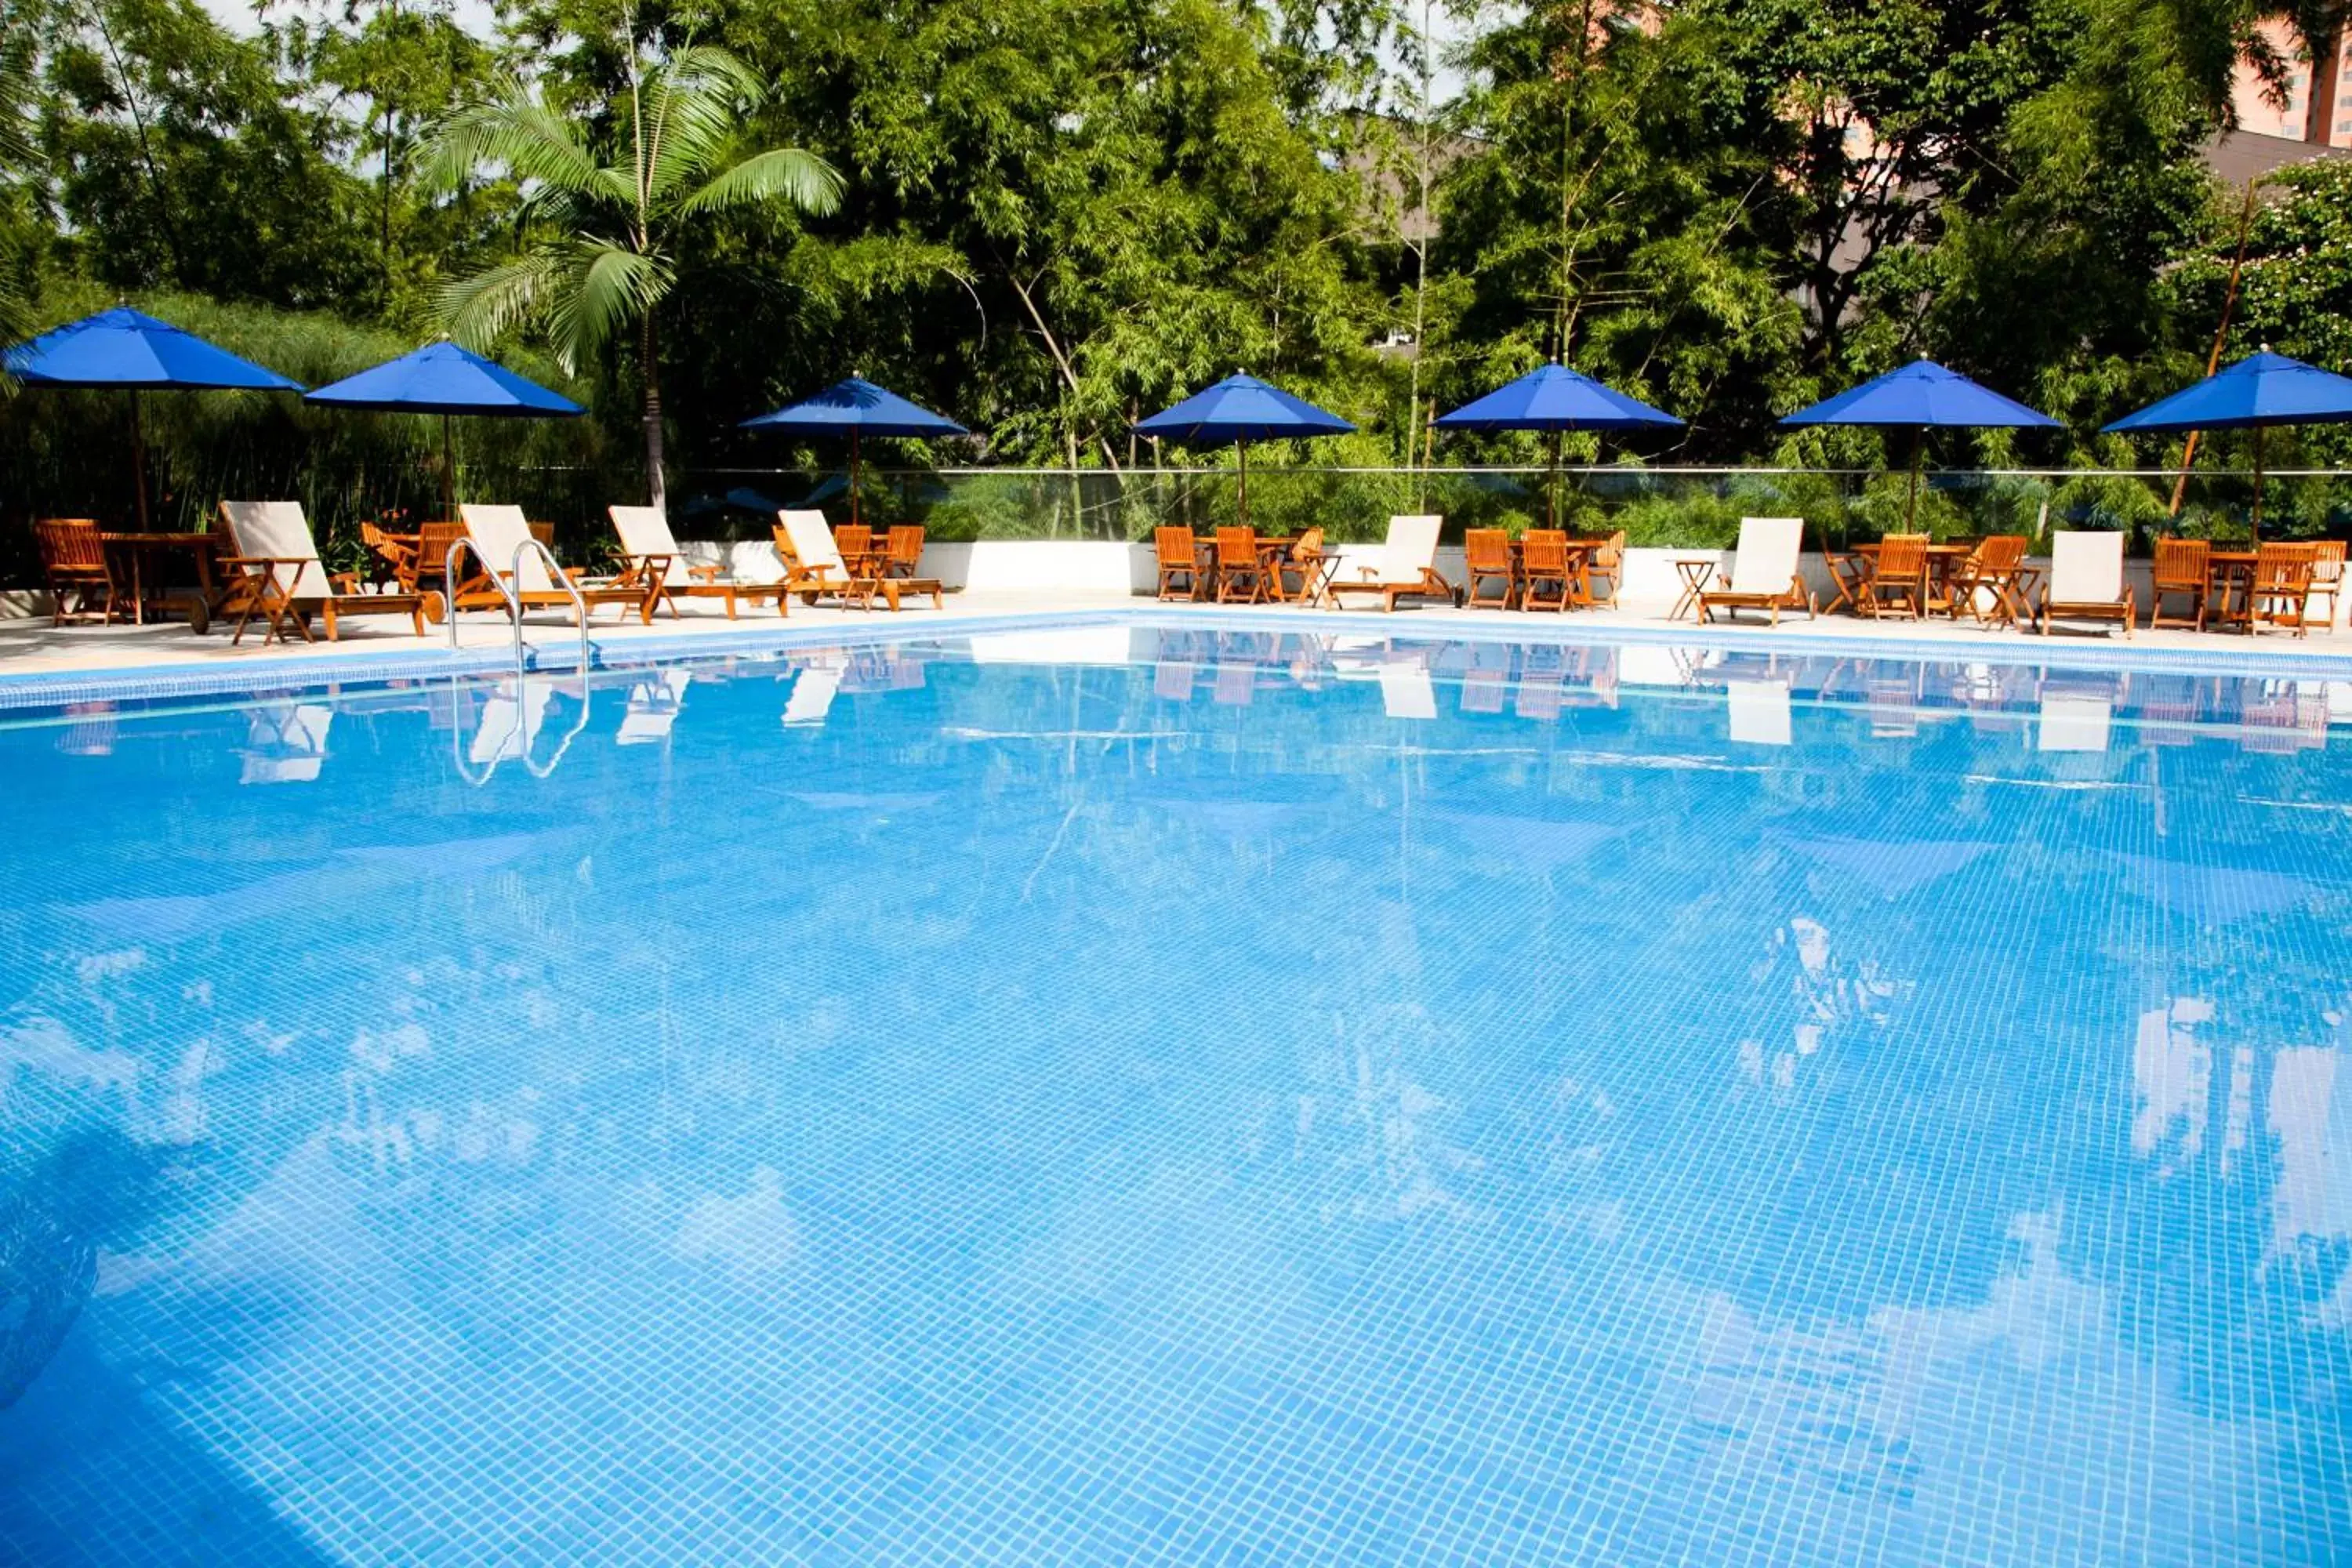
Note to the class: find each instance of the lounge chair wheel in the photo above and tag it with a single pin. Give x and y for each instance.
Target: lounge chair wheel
(200, 616)
(436, 609)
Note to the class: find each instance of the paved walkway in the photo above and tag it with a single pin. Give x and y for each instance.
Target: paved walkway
(33, 646)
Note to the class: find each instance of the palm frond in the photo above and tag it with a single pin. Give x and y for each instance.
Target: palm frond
(697, 101)
(609, 287)
(480, 309)
(791, 175)
(516, 133)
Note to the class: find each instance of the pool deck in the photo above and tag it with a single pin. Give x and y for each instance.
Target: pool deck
(34, 654)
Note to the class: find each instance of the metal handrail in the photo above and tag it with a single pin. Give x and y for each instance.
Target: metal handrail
(579, 600)
(458, 547)
(511, 593)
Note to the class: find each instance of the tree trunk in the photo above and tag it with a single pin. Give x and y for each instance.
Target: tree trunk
(657, 494)
(2326, 63)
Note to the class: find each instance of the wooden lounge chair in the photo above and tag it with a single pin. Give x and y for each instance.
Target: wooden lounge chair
(276, 574)
(2182, 567)
(1547, 582)
(1898, 584)
(1179, 556)
(2280, 592)
(813, 567)
(1486, 555)
(1764, 571)
(73, 559)
(1988, 583)
(1407, 567)
(2086, 579)
(498, 531)
(654, 564)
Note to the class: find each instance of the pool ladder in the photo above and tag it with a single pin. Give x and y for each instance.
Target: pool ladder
(464, 542)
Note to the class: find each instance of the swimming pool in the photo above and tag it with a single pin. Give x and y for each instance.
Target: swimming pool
(1140, 1093)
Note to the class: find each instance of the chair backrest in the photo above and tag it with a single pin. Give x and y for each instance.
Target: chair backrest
(433, 542)
(1488, 550)
(498, 532)
(394, 553)
(906, 544)
(1175, 546)
(2181, 563)
(1308, 546)
(1411, 547)
(1999, 554)
(1611, 553)
(853, 539)
(1903, 557)
(2282, 566)
(645, 530)
(1544, 551)
(1236, 547)
(69, 541)
(2327, 560)
(810, 542)
(1766, 561)
(277, 529)
(2086, 566)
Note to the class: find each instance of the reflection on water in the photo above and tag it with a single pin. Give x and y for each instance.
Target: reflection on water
(1185, 1094)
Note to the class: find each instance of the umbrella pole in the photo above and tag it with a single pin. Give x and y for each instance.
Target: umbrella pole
(853, 475)
(2254, 520)
(448, 474)
(1241, 449)
(1911, 505)
(138, 462)
(1551, 497)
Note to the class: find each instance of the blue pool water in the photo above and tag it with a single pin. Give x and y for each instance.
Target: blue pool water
(1116, 1095)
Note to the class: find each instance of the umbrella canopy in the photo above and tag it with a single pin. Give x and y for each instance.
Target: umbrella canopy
(1921, 396)
(132, 352)
(2261, 389)
(2258, 392)
(129, 350)
(1555, 398)
(1236, 411)
(442, 378)
(855, 408)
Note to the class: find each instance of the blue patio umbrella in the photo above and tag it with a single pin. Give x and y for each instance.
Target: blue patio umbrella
(1921, 396)
(2258, 392)
(1236, 411)
(442, 378)
(1555, 398)
(855, 408)
(132, 352)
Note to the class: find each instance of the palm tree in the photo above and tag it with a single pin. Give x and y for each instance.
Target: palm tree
(611, 256)
(16, 164)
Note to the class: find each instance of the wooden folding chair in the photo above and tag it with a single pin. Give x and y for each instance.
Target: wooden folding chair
(73, 559)
(1311, 563)
(2181, 568)
(1179, 556)
(1543, 564)
(2326, 579)
(2280, 593)
(1241, 570)
(1607, 562)
(1987, 584)
(1487, 553)
(1899, 583)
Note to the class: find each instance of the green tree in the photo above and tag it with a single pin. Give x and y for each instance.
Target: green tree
(609, 234)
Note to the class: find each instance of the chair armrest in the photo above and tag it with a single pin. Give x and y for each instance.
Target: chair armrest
(343, 582)
(703, 573)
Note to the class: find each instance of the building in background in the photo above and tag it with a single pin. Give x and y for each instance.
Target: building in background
(2322, 86)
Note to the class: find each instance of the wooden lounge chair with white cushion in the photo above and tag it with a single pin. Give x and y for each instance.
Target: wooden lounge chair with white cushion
(497, 532)
(1407, 568)
(656, 562)
(2086, 580)
(1764, 575)
(813, 565)
(276, 575)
